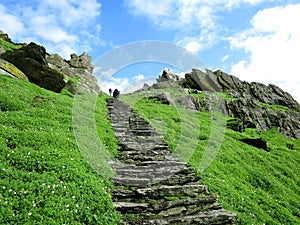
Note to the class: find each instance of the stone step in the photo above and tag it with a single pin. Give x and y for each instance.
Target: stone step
(145, 152)
(131, 207)
(171, 191)
(173, 176)
(143, 180)
(180, 178)
(143, 132)
(150, 181)
(132, 181)
(151, 165)
(157, 163)
(158, 146)
(162, 206)
(201, 203)
(137, 144)
(150, 172)
(220, 216)
(189, 190)
(125, 136)
(144, 157)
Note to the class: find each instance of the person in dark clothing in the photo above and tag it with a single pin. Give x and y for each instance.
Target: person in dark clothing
(110, 91)
(116, 93)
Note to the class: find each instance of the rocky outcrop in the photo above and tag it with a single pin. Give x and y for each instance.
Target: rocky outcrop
(49, 71)
(264, 117)
(152, 186)
(167, 75)
(203, 81)
(261, 105)
(31, 59)
(270, 94)
(253, 104)
(78, 72)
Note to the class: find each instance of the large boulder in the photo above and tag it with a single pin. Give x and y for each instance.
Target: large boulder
(188, 102)
(31, 59)
(203, 81)
(164, 98)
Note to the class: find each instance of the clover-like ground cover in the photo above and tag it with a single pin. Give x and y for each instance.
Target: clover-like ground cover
(44, 178)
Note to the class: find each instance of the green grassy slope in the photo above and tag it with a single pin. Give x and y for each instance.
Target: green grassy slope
(44, 178)
(262, 187)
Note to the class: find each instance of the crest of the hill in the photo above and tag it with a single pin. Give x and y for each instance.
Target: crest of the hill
(50, 71)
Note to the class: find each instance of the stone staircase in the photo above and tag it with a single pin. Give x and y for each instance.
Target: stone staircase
(151, 185)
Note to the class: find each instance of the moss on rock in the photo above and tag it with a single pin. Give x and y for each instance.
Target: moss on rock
(12, 70)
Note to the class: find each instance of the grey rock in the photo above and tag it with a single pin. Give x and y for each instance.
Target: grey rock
(78, 72)
(167, 75)
(31, 59)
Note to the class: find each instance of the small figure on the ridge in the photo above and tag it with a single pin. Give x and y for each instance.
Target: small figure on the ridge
(110, 91)
(116, 93)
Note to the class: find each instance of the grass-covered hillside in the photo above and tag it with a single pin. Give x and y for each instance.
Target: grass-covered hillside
(263, 187)
(45, 179)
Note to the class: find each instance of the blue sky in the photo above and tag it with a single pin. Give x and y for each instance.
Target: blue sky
(255, 40)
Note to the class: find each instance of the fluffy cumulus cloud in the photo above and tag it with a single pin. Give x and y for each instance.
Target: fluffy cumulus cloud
(114, 83)
(195, 20)
(127, 84)
(273, 45)
(58, 25)
(10, 23)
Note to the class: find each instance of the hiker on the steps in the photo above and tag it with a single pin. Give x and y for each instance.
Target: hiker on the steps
(110, 91)
(116, 93)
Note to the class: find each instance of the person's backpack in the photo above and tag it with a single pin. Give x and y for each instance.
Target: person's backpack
(116, 93)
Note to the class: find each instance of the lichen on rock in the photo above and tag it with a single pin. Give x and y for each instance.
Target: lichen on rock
(11, 70)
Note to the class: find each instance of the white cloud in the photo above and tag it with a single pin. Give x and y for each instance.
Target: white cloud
(224, 58)
(10, 23)
(114, 83)
(152, 9)
(107, 73)
(273, 45)
(139, 77)
(63, 27)
(125, 84)
(193, 46)
(195, 21)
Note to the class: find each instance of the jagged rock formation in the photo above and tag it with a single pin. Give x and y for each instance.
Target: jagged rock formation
(253, 104)
(31, 59)
(203, 81)
(152, 186)
(77, 71)
(48, 71)
(167, 75)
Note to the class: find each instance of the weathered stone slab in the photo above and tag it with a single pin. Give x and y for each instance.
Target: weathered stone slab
(213, 217)
(169, 191)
